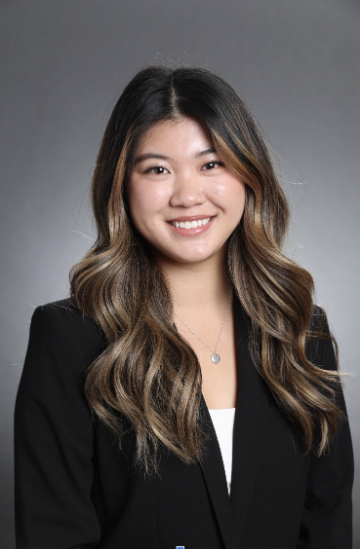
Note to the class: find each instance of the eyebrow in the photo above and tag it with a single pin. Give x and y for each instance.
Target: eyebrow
(145, 156)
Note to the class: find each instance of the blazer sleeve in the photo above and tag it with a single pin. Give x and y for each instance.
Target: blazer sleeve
(327, 519)
(53, 442)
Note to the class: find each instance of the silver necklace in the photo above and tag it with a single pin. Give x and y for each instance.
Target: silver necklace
(215, 356)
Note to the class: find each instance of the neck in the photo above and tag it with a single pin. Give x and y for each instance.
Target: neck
(198, 286)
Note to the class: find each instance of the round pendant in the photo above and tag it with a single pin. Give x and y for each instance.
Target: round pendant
(215, 358)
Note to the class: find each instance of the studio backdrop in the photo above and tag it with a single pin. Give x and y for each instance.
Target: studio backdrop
(63, 66)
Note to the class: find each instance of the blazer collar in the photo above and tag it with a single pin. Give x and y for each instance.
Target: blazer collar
(250, 435)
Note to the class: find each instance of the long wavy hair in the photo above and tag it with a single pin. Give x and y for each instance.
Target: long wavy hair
(147, 374)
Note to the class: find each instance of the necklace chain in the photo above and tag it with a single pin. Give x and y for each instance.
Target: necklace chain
(215, 357)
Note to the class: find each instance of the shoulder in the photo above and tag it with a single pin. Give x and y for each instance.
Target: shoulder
(319, 345)
(51, 402)
(62, 344)
(62, 323)
(319, 320)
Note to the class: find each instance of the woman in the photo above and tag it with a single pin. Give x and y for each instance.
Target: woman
(187, 394)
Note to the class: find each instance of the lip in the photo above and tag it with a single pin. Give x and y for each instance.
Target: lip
(189, 218)
(191, 232)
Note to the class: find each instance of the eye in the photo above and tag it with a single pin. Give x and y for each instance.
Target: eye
(160, 169)
(213, 164)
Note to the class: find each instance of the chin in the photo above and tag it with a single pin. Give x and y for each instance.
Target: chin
(191, 259)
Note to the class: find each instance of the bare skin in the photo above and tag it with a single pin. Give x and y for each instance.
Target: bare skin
(187, 183)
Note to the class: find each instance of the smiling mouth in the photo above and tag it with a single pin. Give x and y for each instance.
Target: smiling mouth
(190, 224)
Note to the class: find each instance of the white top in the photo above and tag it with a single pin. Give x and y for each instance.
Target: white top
(223, 420)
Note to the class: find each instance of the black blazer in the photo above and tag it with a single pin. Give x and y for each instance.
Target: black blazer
(75, 489)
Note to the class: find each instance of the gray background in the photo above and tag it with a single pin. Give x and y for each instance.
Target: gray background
(63, 66)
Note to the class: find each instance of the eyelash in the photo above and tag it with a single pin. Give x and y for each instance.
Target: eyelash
(160, 166)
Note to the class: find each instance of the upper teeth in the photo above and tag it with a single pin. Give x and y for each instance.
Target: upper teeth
(190, 224)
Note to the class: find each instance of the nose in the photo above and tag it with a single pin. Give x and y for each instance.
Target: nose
(187, 191)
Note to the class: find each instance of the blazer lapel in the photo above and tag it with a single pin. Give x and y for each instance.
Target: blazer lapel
(250, 434)
(251, 429)
(215, 478)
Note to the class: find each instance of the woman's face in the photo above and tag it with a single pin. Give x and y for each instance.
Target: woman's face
(178, 178)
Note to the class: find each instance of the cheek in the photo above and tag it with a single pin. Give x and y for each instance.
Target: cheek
(230, 194)
(137, 201)
(239, 196)
(146, 200)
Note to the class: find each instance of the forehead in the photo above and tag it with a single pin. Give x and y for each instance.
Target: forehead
(182, 133)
